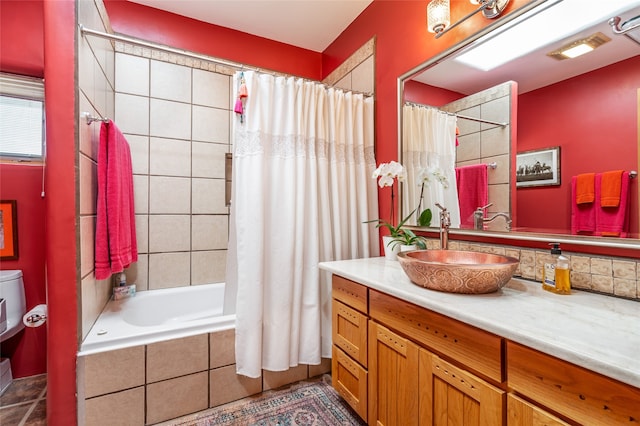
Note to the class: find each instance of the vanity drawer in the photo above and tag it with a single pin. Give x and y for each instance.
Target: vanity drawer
(350, 293)
(574, 392)
(349, 331)
(475, 349)
(350, 380)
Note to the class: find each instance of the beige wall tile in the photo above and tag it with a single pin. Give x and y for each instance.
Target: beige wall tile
(142, 233)
(624, 269)
(363, 76)
(496, 110)
(139, 146)
(138, 273)
(121, 408)
(170, 81)
(467, 127)
(209, 232)
(168, 233)
(169, 195)
(211, 89)
(499, 196)
(169, 270)
(87, 244)
(601, 267)
(88, 185)
(113, 371)
(95, 294)
(344, 83)
(208, 266)
(276, 379)
(469, 147)
(141, 193)
(177, 397)
(132, 74)
(208, 159)
(625, 288)
(501, 173)
(128, 116)
(208, 196)
(169, 119)
(495, 141)
(227, 386)
(177, 357)
(170, 157)
(580, 264)
(222, 348)
(210, 124)
(89, 134)
(580, 280)
(602, 283)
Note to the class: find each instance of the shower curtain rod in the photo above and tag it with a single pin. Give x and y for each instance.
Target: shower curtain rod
(481, 120)
(142, 43)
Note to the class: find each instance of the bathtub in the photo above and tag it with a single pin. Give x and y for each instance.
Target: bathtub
(157, 315)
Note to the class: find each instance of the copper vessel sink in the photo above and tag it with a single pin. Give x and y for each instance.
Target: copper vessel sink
(456, 271)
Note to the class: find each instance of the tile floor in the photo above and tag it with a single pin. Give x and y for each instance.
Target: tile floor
(24, 402)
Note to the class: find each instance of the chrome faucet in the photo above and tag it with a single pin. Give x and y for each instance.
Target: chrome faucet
(479, 220)
(445, 222)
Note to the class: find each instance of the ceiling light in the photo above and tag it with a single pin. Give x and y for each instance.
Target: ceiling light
(438, 14)
(579, 47)
(560, 20)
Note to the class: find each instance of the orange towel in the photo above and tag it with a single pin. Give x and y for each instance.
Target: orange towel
(611, 186)
(585, 188)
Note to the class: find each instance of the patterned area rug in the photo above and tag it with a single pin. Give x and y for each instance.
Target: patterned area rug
(303, 404)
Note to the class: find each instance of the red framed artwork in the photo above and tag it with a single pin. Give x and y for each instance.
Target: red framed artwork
(8, 230)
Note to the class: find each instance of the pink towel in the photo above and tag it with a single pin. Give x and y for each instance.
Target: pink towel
(613, 221)
(473, 191)
(116, 246)
(583, 215)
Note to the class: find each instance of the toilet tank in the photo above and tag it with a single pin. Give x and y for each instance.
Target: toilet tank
(12, 291)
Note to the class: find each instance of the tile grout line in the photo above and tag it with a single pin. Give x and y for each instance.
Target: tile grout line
(33, 406)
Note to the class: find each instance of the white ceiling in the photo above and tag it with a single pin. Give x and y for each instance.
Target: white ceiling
(309, 24)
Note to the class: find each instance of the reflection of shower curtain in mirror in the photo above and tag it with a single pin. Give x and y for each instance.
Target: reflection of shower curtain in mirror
(428, 142)
(302, 188)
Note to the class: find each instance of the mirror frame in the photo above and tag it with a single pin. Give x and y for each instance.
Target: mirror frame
(594, 245)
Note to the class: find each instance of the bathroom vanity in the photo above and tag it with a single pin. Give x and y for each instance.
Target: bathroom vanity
(406, 355)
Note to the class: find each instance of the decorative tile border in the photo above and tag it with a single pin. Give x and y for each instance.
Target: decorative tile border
(353, 61)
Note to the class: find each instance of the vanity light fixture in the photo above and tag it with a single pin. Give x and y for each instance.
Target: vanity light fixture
(438, 14)
(579, 47)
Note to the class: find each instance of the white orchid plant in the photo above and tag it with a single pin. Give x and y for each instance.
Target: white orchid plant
(426, 176)
(387, 173)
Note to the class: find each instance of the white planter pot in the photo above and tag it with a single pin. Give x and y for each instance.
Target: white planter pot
(390, 253)
(408, 248)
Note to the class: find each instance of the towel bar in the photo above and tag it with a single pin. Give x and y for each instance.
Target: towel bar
(90, 118)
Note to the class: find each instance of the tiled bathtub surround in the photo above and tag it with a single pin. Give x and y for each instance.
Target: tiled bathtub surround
(607, 275)
(157, 382)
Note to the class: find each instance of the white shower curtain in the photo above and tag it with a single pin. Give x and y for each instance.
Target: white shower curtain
(429, 145)
(302, 188)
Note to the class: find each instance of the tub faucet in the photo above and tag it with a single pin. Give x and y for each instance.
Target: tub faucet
(479, 220)
(445, 222)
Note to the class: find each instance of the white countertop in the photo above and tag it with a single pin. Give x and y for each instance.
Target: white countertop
(600, 333)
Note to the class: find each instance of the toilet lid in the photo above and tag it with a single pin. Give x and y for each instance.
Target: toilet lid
(10, 275)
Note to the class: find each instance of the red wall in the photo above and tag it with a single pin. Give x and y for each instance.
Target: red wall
(23, 21)
(605, 99)
(23, 183)
(421, 93)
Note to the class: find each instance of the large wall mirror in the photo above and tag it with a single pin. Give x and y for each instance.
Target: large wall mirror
(569, 116)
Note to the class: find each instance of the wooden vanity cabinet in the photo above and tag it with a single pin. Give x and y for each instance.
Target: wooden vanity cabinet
(349, 333)
(576, 393)
(523, 413)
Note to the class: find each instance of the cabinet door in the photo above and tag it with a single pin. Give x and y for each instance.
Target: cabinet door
(453, 397)
(393, 378)
(350, 381)
(349, 331)
(522, 413)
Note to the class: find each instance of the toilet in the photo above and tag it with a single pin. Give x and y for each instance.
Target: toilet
(13, 306)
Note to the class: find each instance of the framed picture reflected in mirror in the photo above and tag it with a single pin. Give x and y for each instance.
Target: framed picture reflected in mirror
(540, 167)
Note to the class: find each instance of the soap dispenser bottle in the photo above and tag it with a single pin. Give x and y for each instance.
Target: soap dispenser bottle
(556, 274)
